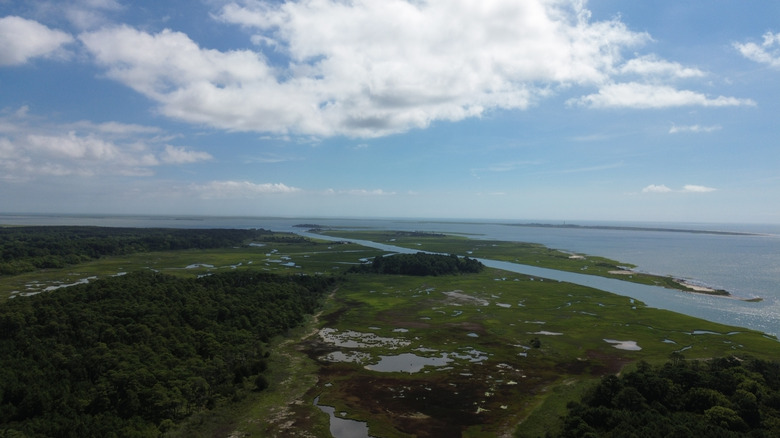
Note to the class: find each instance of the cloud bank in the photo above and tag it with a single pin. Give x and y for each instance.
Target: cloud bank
(376, 67)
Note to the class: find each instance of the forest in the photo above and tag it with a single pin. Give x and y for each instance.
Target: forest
(420, 264)
(722, 397)
(132, 355)
(25, 249)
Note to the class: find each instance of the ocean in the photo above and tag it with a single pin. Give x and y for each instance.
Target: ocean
(747, 265)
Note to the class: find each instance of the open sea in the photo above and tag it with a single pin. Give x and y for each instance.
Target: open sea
(747, 265)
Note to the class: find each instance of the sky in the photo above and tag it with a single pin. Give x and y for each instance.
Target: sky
(558, 110)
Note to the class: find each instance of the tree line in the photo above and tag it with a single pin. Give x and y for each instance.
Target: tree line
(723, 397)
(133, 355)
(420, 264)
(25, 249)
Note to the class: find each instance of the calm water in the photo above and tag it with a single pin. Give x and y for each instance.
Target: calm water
(747, 266)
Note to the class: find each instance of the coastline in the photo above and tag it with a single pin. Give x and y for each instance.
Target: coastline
(632, 228)
(692, 287)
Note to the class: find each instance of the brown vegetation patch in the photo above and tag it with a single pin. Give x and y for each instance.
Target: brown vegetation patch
(436, 404)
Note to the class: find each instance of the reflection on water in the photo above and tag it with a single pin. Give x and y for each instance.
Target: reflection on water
(342, 427)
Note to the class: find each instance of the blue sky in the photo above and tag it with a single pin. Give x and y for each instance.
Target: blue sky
(535, 109)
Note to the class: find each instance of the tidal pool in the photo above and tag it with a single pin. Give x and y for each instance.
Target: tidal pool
(342, 427)
(624, 345)
(407, 363)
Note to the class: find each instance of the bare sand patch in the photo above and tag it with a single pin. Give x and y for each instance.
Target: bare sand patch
(694, 287)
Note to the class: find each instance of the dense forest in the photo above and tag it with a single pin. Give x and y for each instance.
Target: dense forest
(420, 264)
(724, 397)
(132, 355)
(25, 249)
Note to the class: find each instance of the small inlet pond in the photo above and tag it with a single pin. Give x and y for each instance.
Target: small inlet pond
(342, 427)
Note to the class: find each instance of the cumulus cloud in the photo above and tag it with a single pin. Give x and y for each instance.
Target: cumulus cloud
(675, 129)
(652, 188)
(240, 189)
(22, 39)
(651, 65)
(366, 68)
(688, 188)
(646, 96)
(768, 52)
(376, 67)
(30, 148)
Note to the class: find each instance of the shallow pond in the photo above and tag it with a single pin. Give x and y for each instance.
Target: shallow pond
(624, 345)
(407, 363)
(342, 427)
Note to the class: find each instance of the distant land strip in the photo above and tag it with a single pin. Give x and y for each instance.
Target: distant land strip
(627, 228)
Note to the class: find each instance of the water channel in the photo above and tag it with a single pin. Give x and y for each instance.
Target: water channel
(724, 310)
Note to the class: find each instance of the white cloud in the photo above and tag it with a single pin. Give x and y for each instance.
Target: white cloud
(364, 192)
(640, 95)
(652, 188)
(22, 39)
(651, 65)
(240, 189)
(694, 128)
(367, 68)
(376, 67)
(768, 52)
(30, 148)
(688, 188)
(71, 145)
(180, 155)
(115, 128)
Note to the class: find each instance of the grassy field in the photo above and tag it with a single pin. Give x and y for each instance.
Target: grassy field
(477, 355)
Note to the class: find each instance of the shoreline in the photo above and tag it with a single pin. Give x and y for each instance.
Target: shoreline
(632, 228)
(690, 287)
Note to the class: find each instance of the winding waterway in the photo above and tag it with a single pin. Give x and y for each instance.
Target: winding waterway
(713, 308)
